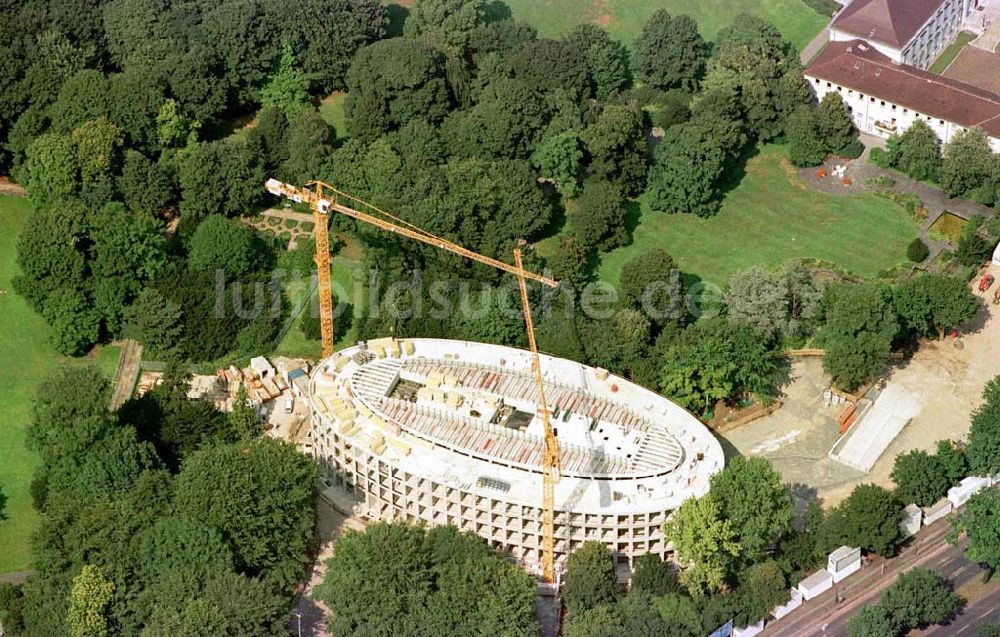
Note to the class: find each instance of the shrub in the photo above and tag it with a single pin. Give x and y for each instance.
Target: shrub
(879, 157)
(917, 251)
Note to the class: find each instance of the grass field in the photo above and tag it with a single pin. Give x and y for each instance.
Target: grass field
(25, 359)
(624, 18)
(294, 344)
(948, 56)
(331, 109)
(769, 218)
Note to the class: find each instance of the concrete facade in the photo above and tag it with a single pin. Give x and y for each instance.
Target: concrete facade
(446, 432)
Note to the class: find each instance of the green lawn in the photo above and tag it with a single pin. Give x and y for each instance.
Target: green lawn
(624, 18)
(25, 359)
(294, 344)
(948, 56)
(331, 109)
(769, 218)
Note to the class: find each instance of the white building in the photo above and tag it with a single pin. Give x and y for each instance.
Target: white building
(911, 32)
(885, 97)
(447, 432)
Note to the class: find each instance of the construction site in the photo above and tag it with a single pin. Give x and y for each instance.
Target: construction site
(450, 432)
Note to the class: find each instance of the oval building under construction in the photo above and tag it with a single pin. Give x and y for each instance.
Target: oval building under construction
(445, 432)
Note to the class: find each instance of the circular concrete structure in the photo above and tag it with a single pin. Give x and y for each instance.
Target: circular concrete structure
(446, 432)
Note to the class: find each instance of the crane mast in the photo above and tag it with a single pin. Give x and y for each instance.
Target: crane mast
(550, 457)
(322, 199)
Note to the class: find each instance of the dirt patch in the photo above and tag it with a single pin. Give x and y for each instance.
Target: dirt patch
(13, 189)
(336, 95)
(947, 375)
(599, 13)
(352, 250)
(792, 174)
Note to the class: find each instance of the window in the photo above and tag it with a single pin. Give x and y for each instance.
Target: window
(883, 103)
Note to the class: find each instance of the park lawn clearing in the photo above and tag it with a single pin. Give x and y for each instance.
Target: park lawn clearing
(948, 56)
(26, 358)
(331, 109)
(624, 19)
(294, 344)
(771, 217)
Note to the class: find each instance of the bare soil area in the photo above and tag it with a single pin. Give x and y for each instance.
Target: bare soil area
(948, 375)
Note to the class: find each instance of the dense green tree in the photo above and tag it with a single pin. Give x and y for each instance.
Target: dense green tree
(267, 480)
(973, 249)
(670, 52)
(244, 418)
(12, 608)
(98, 148)
(268, 140)
(287, 88)
(310, 143)
(953, 461)
(569, 262)
(920, 478)
(687, 171)
(968, 166)
(917, 251)
(784, 302)
(247, 43)
(833, 123)
(752, 57)
(545, 65)
(558, 159)
(705, 543)
(399, 579)
(980, 522)
(156, 322)
(219, 177)
(447, 25)
(88, 603)
(868, 518)
(805, 146)
(67, 397)
(762, 587)
(616, 143)
(598, 218)
(602, 621)
(714, 360)
(507, 121)
(984, 434)
(74, 324)
(605, 58)
(872, 621)
(860, 327)
(651, 281)
(654, 576)
(619, 343)
(931, 304)
(393, 81)
(82, 97)
(134, 99)
(917, 152)
(752, 497)
(590, 579)
(222, 244)
(920, 597)
(173, 127)
(146, 187)
(51, 171)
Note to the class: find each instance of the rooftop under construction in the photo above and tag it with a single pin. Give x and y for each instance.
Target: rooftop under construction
(450, 432)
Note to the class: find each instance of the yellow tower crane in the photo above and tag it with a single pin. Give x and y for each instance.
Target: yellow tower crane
(322, 199)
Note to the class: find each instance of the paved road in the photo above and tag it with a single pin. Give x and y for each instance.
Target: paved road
(825, 616)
